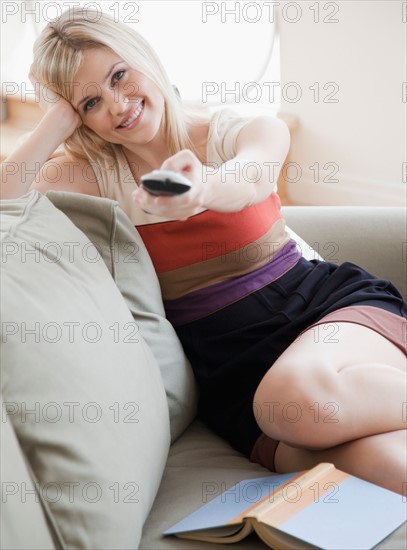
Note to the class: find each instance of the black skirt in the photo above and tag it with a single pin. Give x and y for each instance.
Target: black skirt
(231, 350)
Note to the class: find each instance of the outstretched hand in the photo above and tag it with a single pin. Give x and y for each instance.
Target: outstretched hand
(179, 207)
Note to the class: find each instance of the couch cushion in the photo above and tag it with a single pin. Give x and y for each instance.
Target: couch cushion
(373, 237)
(127, 259)
(306, 249)
(201, 466)
(81, 387)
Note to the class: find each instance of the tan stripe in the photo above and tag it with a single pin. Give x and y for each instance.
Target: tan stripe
(256, 510)
(300, 498)
(274, 509)
(215, 268)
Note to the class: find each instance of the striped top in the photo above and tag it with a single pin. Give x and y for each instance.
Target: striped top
(212, 259)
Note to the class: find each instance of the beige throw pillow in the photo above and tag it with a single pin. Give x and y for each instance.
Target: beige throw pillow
(127, 259)
(81, 388)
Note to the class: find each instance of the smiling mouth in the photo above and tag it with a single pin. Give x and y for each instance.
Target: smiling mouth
(133, 117)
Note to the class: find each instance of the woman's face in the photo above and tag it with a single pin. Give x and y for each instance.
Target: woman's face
(117, 102)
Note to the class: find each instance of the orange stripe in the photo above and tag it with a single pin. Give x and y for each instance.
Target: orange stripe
(306, 496)
(251, 511)
(294, 495)
(175, 244)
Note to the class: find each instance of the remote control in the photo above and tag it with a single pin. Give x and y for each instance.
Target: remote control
(165, 182)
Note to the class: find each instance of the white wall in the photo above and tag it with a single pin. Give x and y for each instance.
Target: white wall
(213, 51)
(363, 134)
(359, 141)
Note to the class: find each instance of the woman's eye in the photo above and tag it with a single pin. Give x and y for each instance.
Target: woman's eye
(117, 76)
(89, 104)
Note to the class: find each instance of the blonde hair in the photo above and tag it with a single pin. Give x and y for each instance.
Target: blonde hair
(58, 54)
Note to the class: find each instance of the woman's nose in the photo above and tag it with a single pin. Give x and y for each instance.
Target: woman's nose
(118, 104)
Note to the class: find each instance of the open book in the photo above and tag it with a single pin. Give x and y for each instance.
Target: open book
(322, 507)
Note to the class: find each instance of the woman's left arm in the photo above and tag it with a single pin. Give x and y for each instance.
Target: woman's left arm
(262, 146)
(251, 176)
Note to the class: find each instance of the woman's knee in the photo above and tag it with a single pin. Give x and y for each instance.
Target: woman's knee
(295, 405)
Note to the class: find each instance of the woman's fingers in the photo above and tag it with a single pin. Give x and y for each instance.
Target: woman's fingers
(185, 162)
(179, 207)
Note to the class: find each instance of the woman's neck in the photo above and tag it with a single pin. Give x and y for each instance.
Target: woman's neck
(146, 160)
(150, 157)
(147, 157)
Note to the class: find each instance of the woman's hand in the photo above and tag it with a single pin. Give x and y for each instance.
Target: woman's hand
(238, 183)
(65, 117)
(58, 123)
(179, 207)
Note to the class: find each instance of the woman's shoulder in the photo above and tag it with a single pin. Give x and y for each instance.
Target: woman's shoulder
(213, 132)
(224, 127)
(224, 120)
(63, 173)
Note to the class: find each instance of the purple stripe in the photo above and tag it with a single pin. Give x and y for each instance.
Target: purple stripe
(205, 301)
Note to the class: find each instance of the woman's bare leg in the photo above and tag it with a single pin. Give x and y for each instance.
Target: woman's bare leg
(339, 394)
(380, 459)
(323, 392)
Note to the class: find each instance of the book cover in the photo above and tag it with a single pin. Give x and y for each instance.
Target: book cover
(323, 507)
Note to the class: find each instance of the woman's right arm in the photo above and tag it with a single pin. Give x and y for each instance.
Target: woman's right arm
(18, 170)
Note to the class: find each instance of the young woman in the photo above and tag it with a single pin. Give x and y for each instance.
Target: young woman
(242, 299)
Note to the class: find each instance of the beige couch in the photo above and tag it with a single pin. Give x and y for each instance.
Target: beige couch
(99, 441)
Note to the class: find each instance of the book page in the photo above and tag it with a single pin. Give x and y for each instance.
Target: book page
(226, 534)
(276, 539)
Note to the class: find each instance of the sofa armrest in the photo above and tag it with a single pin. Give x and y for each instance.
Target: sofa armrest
(373, 237)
